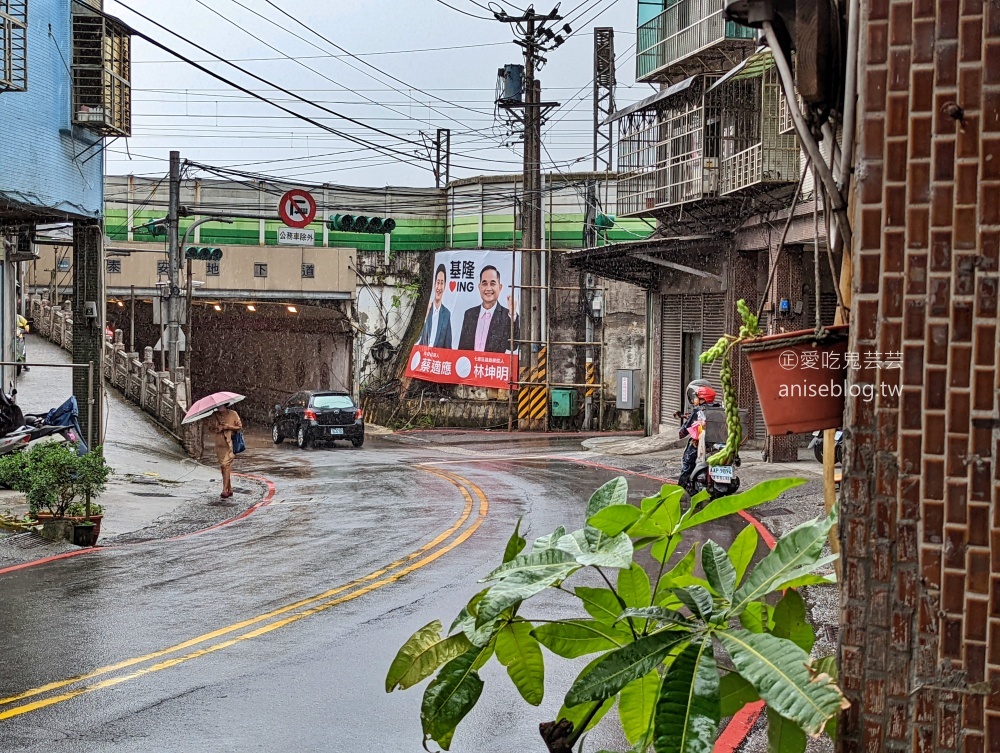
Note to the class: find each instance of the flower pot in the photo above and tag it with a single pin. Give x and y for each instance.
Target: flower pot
(43, 517)
(800, 381)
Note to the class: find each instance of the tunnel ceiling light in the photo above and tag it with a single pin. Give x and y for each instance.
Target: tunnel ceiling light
(217, 307)
(121, 304)
(251, 307)
(292, 310)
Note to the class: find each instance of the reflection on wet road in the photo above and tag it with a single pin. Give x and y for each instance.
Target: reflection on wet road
(275, 633)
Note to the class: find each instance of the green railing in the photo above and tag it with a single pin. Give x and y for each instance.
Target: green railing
(683, 29)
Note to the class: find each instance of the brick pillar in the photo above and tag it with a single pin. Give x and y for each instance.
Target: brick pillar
(920, 505)
(88, 336)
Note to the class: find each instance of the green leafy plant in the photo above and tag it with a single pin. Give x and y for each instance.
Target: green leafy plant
(55, 478)
(723, 349)
(654, 641)
(14, 471)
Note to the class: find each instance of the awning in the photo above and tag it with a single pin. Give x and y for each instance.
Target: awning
(752, 67)
(649, 101)
(634, 261)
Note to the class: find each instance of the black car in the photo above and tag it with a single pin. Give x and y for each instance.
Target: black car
(318, 416)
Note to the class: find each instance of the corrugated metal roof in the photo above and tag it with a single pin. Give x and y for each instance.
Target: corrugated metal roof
(649, 101)
(753, 66)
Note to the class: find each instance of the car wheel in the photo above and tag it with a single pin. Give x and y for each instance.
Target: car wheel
(301, 439)
(359, 441)
(276, 436)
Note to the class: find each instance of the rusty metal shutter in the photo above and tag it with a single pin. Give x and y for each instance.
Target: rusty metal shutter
(671, 399)
(713, 326)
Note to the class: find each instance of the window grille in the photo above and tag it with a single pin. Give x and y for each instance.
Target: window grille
(102, 70)
(212, 268)
(13, 45)
(308, 271)
(259, 270)
(114, 266)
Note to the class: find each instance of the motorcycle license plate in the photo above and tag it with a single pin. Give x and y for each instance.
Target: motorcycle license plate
(336, 431)
(722, 473)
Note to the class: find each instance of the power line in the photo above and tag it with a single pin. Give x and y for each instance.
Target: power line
(464, 12)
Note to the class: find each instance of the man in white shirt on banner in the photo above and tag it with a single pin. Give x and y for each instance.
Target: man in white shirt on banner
(437, 326)
(486, 328)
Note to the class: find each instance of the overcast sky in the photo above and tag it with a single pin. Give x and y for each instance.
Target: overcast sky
(451, 56)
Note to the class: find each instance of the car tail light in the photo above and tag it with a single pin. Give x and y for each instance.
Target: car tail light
(359, 415)
(310, 415)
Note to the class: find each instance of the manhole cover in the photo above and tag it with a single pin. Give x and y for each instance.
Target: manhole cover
(774, 511)
(28, 540)
(151, 494)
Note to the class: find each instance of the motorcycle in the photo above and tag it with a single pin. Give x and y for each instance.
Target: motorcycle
(816, 445)
(18, 430)
(717, 480)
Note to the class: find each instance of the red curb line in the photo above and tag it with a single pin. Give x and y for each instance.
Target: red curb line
(267, 499)
(738, 729)
(522, 434)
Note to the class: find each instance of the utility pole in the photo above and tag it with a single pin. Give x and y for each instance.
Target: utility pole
(442, 157)
(172, 344)
(536, 38)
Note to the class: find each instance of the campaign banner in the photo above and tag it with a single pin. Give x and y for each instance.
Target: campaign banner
(466, 335)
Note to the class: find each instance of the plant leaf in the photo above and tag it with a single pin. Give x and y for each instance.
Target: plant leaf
(795, 554)
(810, 579)
(592, 547)
(518, 650)
(742, 551)
(615, 519)
(636, 704)
(718, 569)
(618, 668)
(735, 693)
(421, 656)
(515, 545)
(758, 494)
(698, 600)
(664, 548)
(451, 696)
(573, 638)
(538, 561)
(615, 492)
(783, 736)
(688, 711)
(661, 615)
(752, 617)
(548, 542)
(633, 586)
(790, 621)
(466, 622)
(520, 585)
(779, 671)
(600, 603)
(825, 665)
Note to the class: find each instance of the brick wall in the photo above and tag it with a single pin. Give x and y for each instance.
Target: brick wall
(920, 637)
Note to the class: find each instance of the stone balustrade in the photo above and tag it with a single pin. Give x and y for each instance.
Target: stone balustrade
(135, 378)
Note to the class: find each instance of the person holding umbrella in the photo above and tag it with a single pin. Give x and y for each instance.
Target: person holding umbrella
(223, 422)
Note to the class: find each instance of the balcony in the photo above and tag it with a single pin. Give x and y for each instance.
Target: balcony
(756, 149)
(688, 32)
(13, 45)
(102, 91)
(663, 157)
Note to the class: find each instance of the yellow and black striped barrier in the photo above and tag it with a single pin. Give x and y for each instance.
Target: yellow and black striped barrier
(591, 379)
(532, 401)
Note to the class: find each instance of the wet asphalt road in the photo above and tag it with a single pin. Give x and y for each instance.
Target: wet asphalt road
(202, 644)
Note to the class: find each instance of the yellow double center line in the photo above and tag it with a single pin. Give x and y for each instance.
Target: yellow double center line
(172, 656)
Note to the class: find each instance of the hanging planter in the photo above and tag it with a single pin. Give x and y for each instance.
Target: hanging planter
(800, 379)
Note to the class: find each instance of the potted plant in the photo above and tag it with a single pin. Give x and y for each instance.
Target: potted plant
(59, 485)
(799, 376)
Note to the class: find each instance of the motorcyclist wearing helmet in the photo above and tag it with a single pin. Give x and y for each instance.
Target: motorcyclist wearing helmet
(699, 394)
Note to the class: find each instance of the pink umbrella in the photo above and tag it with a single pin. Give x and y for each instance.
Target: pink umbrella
(207, 405)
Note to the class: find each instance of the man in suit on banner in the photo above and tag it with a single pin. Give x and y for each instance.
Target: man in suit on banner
(486, 328)
(437, 326)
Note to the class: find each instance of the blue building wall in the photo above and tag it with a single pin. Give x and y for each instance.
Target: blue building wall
(42, 155)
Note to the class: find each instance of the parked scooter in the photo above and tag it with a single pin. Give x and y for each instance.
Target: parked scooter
(718, 480)
(817, 446)
(63, 421)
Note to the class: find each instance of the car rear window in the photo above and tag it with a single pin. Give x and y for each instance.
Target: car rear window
(325, 402)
